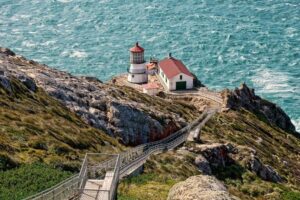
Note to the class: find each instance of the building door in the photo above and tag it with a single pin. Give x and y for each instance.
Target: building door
(181, 85)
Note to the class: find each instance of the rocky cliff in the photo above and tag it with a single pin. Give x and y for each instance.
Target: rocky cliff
(132, 117)
(245, 97)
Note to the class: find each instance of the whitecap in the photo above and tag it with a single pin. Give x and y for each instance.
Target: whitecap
(220, 59)
(296, 123)
(271, 81)
(291, 32)
(28, 44)
(78, 54)
(64, 1)
(47, 43)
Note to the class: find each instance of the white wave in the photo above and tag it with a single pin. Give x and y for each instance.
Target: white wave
(271, 81)
(296, 123)
(78, 54)
(291, 32)
(17, 17)
(64, 1)
(47, 43)
(28, 44)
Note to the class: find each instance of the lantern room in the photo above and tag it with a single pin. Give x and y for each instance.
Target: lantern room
(137, 54)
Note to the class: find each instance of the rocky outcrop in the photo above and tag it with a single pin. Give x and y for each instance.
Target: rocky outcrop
(199, 188)
(101, 105)
(216, 154)
(203, 165)
(244, 97)
(265, 172)
(6, 52)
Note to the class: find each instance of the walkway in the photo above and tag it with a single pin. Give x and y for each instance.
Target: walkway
(100, 173)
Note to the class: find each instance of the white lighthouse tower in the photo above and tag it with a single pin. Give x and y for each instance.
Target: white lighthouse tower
(137, 71)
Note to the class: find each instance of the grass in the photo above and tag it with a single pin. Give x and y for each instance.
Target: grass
(152, 103)
(161, 172)
(36, 127)
(244, 130)
(146, 186)
(29, 179)
(273, 146)
(42, 142)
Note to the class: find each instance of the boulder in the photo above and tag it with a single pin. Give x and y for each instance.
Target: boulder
(265, 172)
(200, 187)
(216, 154)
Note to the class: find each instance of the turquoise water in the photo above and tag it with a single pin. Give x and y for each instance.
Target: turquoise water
(223, 42)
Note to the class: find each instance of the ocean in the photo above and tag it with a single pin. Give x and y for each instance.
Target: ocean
(224, 43)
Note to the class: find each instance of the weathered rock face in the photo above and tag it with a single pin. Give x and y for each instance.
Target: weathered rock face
(216, 154)
(244, 97)
(101, 105)
(266, 172)
(6, 51)
(203, 165)
(199, 188)
(130, 124)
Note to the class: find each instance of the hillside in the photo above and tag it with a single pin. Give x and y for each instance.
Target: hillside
(131, 117)
(39, 134)
(49, 119)
(247, 136)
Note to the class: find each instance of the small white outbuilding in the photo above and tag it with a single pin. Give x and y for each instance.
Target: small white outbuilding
(151, 88)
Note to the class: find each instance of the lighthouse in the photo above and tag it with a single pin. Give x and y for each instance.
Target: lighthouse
(137, 71)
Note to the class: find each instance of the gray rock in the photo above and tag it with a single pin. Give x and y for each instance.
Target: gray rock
(216, 154)
(203, 165)
(5, 83)
(199, 188)
(266, 172)
(134, 123)
(28, 82)
(6, 51)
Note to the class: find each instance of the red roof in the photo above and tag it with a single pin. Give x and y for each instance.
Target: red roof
(137, 48)
(172, 67)
(151, 85)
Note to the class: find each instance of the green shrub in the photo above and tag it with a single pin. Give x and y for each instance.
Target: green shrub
(29, 179)
(291, 195)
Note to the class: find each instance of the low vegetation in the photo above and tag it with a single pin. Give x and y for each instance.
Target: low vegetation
(29, 179)
(274, 146)
(161, 172)
(35, 128)
(184, 109)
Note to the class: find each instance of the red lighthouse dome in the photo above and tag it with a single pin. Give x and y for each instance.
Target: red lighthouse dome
(137, 54)
(137, 48)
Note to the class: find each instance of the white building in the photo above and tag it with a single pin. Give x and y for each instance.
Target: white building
(137, 72)
(174, 74)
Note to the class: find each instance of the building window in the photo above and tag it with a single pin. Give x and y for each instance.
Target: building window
(132, 76)
(180, 77)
